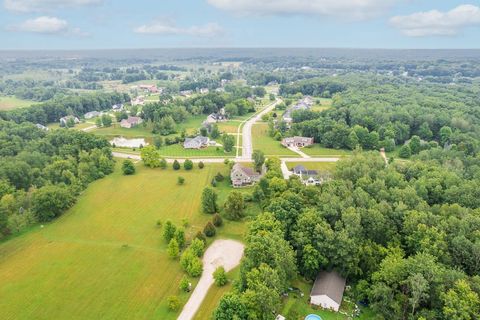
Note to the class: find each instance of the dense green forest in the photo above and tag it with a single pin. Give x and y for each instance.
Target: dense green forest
(405, 236)
(375, 112)
(41, 173)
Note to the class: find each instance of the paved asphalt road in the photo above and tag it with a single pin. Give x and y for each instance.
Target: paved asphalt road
(247, 148)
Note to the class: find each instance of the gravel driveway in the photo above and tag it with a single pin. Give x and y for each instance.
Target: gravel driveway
(226, 253)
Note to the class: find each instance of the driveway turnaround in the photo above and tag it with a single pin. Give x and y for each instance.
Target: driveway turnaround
(226, 253)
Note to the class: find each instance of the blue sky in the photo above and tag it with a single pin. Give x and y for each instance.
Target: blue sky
(91, 24)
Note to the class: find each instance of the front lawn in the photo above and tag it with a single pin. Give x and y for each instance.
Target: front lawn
(317, 150)
(271, 147)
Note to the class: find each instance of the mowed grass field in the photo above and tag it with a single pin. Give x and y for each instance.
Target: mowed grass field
(320, 166)
(8, 103)
(105, 258)
(317, 150)
(262, 141)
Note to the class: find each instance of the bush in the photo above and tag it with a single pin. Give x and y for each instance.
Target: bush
(188, 164)
(128, 168)
(180, 180)
(201, 165)
(210, 230)
(191, 264)
(163, 163)
(185, 284)
(201, 236)
(173, 303)
(209, 200)
(173, 248)
(214, 182)
(176, 165)
(234, 206)
(220, 277)
(219, 177)
(169, 230)
(226, 161)
(180, 237)
(197, 246)
(217, 220)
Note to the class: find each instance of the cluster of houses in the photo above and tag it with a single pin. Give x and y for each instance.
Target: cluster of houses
(303, 104)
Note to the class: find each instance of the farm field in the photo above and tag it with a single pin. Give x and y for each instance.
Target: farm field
(320, 166)
(105, 258)
(262, 141)
(8, 103)
(319, 151)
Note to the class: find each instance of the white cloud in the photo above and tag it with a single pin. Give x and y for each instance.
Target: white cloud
(45, 5)
(47, 25)
(357, 9)
(437, 23)
(169, 28)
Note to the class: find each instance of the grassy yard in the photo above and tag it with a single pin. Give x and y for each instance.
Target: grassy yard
(105, 258)
(262, 141)
(214, 295)
(319, 151)
(296, 307)
(177, 150)
(8, 103)
(192, 125)
(320, 166)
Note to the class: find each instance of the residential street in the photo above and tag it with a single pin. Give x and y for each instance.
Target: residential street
(247, 148)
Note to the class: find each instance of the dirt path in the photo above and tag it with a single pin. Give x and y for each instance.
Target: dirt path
(226, 253)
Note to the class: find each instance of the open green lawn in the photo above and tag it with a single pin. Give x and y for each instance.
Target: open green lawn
(192, 125)
(320, 166)
(177, 150)
(8, 103)
(105, 258)
(262, 141)
(230, 126)
(319, 151)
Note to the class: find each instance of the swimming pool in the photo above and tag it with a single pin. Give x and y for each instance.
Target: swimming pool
(313, 317)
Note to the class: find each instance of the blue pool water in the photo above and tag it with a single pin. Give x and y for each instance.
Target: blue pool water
(313, 317)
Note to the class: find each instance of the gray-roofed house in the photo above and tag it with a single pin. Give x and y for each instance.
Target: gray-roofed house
(92, 114)
(64, 121)
(41, 126)
(308, 177)
(243, 176)
(327, 291)
(196, 143)
(298, 142)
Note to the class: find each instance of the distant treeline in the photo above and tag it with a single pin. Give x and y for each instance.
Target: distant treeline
(53, 110)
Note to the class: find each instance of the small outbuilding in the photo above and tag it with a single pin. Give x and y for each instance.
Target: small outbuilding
(327, 291)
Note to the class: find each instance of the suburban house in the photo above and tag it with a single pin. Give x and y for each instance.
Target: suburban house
(204, 90)
(242, 176)
(138, 101)
(130, 122)
(303, 104)
(298, 142)
(196, 143)
(92, 114)
(308, 177)
(217, 116)
(327, 291)
(311, 177)
(64, 120)
(41, 127)
(186, 93)
(149, 88)
(117, 107)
